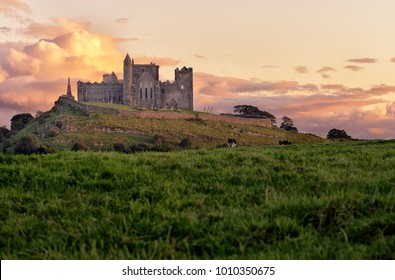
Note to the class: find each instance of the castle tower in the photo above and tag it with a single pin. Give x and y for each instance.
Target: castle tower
(69, 94)
(127, 80)
(184, 81)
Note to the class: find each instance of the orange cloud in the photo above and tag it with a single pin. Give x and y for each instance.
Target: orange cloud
(13, 8)
(353, 68)
(301, 69)
(333, 87)
(162, 61)
(57, 27)
(363, 60)
(390, 109)
(124, 21)
(5, 30)
(325, 69)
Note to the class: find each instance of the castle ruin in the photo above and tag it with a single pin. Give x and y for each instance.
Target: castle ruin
(141, 87)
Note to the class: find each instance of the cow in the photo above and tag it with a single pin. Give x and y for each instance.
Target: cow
(284, 142)
(231, 143)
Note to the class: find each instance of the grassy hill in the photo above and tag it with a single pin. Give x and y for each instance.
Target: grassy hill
(63, 126)
(308, 201)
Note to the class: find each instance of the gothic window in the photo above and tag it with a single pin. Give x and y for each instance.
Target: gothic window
(146, 93)
(141, 93)
(163, 90)
(151, 93)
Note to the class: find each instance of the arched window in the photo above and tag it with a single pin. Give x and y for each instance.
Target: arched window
(151, 93)
(146, 93)
(141, 93)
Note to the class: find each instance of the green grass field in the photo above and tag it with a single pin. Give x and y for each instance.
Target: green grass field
(317, 201)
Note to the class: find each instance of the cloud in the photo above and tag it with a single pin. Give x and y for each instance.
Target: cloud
(14, 8)
(301, 69)
(218, 87)
(57, 27)
(325, 69)
(162, 61)
(32, 76)
(333, 87)
(353, 68)
(269, 66)
(5, 30)
(390, 110)
(381, 90)
(392, 59)
(123, 21)
(363, 60)
(314, 108)
(199, 56)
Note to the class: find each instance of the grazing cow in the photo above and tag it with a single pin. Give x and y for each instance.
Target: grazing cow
(284, 142)
(231, 143)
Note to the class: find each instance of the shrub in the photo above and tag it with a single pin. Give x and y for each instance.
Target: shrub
(338, 134)
(6, 144)
(159, 139)
(119, 147)
(185, 143)
(137, 148)
(59, 124)
(161, 148)
(27, 145)
(78, 147)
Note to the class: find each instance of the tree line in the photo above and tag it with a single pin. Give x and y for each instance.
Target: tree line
(287, 123)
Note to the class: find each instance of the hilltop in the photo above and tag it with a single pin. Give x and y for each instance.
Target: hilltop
(99, 126)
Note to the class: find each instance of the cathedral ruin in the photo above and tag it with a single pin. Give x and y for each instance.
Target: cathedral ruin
(141, 87)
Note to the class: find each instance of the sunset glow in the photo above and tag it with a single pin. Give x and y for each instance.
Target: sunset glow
(325, 64)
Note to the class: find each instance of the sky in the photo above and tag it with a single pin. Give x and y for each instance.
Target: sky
(323, 63)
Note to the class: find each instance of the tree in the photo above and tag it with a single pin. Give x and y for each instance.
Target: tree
(39, 114)
(4, 133)
(19, 121)
(337, 134)
(249, 110)
(288, 124)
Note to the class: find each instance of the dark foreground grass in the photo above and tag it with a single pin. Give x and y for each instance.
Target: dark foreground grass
(314, 201)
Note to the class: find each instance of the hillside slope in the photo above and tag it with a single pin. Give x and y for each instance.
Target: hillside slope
(62, 126)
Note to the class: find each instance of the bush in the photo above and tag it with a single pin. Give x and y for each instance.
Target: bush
(43, 150)
(161, 148)
(4, 133)
(59, 124)
(6, 144)
(27, 145)
(185, 143)
(338, 134)
(137, 148)
(119, 147)
(78, 147)
(159, 139)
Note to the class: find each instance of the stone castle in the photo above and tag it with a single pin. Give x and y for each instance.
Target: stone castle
(141, 87)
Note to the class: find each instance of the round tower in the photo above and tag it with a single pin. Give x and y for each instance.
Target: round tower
(127, 80)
